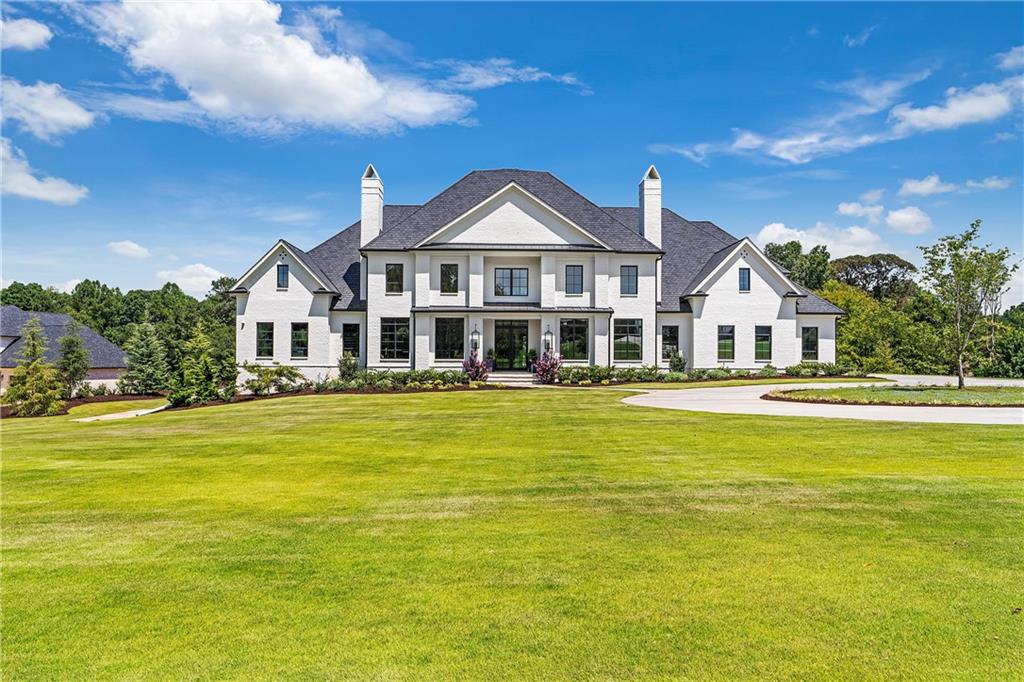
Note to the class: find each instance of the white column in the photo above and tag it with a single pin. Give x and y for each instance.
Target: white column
(547, 280)
(601, 280)
(421, 285)
(422, 340)
(476, 281)
(600, 339)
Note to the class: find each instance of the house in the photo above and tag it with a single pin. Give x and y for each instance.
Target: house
(106, 360)
(513, 262)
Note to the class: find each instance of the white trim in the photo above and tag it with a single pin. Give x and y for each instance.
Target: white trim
(506, 188)
(280, 243)
(745, 242)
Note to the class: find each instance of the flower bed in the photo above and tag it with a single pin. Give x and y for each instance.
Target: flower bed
(594, 375)
(902, 396)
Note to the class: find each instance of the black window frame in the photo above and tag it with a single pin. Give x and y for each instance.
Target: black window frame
(805, 354)
(282, 268)
(629, 278)
(389, 281)
(727, 333)
(628, 328)
(575, 331)
(667, 347)
(454, 346)
(513, 274)
(391, 345)
(447, 267)
(744, 271)
(264, 326)
(301, 342)
(574, 283)
(759, 334)
(347, 338)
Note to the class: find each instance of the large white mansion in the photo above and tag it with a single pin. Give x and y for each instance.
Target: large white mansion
(511, 262)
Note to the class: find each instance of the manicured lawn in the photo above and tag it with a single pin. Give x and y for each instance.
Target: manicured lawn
(508, 534)
(910, 395)
(747, 382)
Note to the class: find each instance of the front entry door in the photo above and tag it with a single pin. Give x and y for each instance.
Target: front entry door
(510, 344)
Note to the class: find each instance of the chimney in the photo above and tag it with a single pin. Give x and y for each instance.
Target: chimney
(371, 215)
(650, 206)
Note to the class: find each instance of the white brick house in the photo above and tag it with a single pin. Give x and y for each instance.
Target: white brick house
(512, 262)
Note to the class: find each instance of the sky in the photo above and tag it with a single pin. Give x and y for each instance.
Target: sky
(155, 142)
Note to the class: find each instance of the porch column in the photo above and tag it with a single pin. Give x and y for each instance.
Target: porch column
(601, 333)
(421, 347)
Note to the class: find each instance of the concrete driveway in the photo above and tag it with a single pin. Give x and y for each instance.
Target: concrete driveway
(747, 400)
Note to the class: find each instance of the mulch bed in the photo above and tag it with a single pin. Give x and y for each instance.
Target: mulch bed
(7, 411)
(767, 380)
(841, 401)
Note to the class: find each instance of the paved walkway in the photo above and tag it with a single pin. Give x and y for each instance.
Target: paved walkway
(747, 400)
(120, 415)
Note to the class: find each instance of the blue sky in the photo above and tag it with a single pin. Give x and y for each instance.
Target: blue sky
(165, 141)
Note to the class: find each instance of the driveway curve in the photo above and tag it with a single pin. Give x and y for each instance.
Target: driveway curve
(747, 400)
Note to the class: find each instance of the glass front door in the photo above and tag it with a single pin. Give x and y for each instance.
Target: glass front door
(510, 344)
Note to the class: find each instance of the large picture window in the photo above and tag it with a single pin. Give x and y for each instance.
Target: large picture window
(282, 276)
(809, 343)
(574, 339)
(300, 340)
(394, 274)
(627, 280)
(669, 340)
(264, 339)
(511, 281)
(394, 338)
(726, 342)
(449, 338)
(628, 339)
(763, 343)
(574, 279)
(350, 340)
(449, 278)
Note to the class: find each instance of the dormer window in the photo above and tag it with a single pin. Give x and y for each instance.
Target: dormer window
(282, 275)
(744, 279)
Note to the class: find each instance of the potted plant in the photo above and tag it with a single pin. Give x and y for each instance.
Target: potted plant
(489, 359)
(531, 359)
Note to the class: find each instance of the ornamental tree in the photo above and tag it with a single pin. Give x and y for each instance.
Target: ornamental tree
(73, 361)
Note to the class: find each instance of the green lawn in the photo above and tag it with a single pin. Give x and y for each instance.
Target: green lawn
(745, 382)
(910, 395)
(508, 534)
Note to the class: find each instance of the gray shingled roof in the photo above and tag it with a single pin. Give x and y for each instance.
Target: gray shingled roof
(102, 353)
(477, 186)
(813, 304)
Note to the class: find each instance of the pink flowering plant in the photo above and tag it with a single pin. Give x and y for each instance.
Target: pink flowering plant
(546, 369)
(474, 367)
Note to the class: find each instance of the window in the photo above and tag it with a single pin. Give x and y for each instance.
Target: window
(350, 340)
(574, 279)
(763, 343)
(627, 280)
(449, 338)
(394, 338)
(511, 281)
(449, 278)
(300, 340)
(574, 339)
(628, 339)
(744, 279)
(282, 276)
(809, 343)
(393, 278)
(726, 342)
(669, 340)
(264, 339)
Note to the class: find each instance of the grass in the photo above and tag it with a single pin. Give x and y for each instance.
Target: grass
(910, 395)
(524, 534)
(746, 382)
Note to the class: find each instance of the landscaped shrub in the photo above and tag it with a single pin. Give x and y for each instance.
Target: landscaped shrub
(35, 387)
(676, 362)
(741, 373)
(73, 362)
(474, 368)
(718, 373)
(546, 368)
(145, 362)
(804, 369)
(676, 376)
(649, 373)
(831, 369)
(768, 371)
(698, 374)
(264, 379)
(348, 367)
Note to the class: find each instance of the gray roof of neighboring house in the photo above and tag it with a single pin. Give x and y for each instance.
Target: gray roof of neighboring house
(102, 353)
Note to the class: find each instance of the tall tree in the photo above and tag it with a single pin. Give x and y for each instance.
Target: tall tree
(811, 269)
(73, 360)
(146, 366)
(960, 274)
(35, 387)
(201, 378)
(883, 275)
(34, 297)
(100, 307)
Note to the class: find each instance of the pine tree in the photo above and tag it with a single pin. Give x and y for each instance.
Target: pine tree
(200, 376)
(73, 363)
(146, 363)
(35, 387)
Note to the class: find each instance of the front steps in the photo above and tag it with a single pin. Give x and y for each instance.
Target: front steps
(511, 378)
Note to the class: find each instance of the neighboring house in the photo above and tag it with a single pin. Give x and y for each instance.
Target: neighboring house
(106, 361)
(514, 261)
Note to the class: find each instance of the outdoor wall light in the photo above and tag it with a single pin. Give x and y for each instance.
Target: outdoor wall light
(474, 339)
(549, 340)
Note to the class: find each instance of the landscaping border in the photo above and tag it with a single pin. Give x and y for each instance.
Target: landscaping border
(7, 411)
(778, 396)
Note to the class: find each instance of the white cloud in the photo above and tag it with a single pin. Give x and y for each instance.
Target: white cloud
(43, 109)
(909, 220)
(1012, 59)
(19, 179)
(925, 186)
(1003, 137)
(872, 196)
(860, 39)
(491, 73)
(68, 286)
(286, 214)
(840, 242)
(985, 102)
(854, 208)
(129, 249)
(24, 34)
(993, 182)
(194, 278)
(240, 67)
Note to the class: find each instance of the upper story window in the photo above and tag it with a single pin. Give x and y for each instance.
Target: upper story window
(573, 279)
(282, 275)
(726, 342)
(511, 281)
(394, 275)
(449, 278)
(744, 279)
(627, 280)
(809, 343)
(264, 339)
(300, 340)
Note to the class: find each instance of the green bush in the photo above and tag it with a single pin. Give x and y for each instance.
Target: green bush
(768, 371)
(676, 376)
(676, 362)
(348, 366)
(698, 374)
(718, 373)
(741, 373)
(274, 378)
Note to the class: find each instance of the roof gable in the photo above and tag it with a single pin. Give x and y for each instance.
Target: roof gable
(299, 256)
